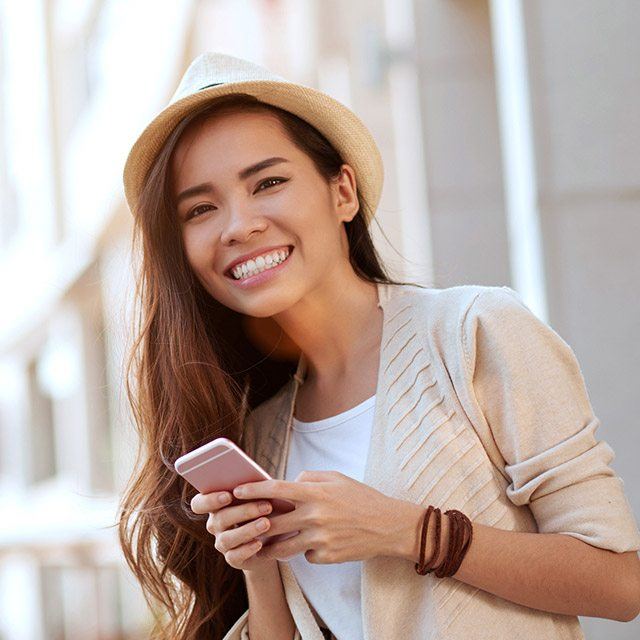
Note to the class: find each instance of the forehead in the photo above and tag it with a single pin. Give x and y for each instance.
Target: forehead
(228, 143)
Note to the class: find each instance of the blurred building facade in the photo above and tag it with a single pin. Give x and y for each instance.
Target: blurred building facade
(511, 157)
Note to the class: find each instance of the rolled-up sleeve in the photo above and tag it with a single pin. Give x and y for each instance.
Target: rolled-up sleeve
(529, 388)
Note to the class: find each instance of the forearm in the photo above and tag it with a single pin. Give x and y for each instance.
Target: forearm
(269, 615)
(551, 572)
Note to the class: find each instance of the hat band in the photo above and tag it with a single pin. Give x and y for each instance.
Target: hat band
(206, 86)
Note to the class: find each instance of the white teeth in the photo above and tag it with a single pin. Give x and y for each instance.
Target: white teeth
(261, 263)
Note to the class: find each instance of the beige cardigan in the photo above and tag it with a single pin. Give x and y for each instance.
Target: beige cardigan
(482, 407)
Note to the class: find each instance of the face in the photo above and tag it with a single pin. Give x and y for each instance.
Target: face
(245, 206)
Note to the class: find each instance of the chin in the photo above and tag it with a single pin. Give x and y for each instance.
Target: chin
(271, 305)
(258, 304)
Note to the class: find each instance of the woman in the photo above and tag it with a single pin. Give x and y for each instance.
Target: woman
(252, 198)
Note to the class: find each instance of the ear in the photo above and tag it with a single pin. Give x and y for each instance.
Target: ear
(345, 194)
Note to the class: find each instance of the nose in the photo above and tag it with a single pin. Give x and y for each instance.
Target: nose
(241, 223)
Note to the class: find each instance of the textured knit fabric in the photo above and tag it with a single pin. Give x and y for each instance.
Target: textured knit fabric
(338, 443)
(481, 407)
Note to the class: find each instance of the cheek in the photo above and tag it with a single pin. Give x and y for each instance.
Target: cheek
(325, 244)
(199, 253)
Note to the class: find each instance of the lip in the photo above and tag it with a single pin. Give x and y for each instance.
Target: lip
(254, 254)
(263, 276)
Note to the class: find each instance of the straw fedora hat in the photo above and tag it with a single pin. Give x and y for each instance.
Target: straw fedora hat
(214, 74)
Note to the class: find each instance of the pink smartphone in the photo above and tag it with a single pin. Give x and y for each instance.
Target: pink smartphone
(220, 465)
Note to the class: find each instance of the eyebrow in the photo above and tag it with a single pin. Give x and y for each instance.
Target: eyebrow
(207, 187)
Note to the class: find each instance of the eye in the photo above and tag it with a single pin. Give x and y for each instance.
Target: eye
(277, 181)
(194, 212)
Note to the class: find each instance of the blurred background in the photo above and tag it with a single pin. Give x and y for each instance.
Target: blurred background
(510, 134)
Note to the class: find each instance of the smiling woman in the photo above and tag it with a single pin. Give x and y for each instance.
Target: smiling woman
(267, 317)
(239, 187)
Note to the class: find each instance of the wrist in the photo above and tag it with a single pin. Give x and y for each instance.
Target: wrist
(410, 541)
(265, 572)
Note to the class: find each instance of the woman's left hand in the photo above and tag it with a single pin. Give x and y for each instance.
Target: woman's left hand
(339, 518)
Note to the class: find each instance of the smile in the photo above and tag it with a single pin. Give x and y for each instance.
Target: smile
(260, 269)
(260, 263)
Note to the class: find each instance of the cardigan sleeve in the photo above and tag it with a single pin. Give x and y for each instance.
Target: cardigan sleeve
(528, 385)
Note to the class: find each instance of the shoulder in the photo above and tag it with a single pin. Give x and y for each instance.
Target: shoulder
(499, 332)
(453, 305)
(447, 319)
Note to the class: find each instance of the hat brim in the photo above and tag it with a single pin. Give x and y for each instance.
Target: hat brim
(341, 126)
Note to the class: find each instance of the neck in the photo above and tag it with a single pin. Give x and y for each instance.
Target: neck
(336, 329)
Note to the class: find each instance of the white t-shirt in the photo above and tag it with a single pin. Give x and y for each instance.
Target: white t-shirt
(339, 443)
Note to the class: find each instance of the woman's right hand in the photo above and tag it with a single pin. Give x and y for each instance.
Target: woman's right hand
(238, 544)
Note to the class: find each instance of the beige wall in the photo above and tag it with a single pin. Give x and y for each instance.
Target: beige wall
(462, 142)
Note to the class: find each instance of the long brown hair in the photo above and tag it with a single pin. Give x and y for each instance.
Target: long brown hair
(192, 374)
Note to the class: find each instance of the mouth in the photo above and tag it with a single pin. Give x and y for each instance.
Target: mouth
(260, 265)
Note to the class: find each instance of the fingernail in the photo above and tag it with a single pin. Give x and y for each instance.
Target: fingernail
(238, 491)
(263, 524)
(224, 498)
(264, 507)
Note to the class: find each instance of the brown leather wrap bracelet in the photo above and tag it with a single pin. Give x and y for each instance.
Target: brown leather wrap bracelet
(460, 536)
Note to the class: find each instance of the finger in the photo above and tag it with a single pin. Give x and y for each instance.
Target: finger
(285, 549)
(273, 489)
(317, 476)
(208, 502)
(286, 522)
(232, 538)
(227, 517)
(238, 556)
